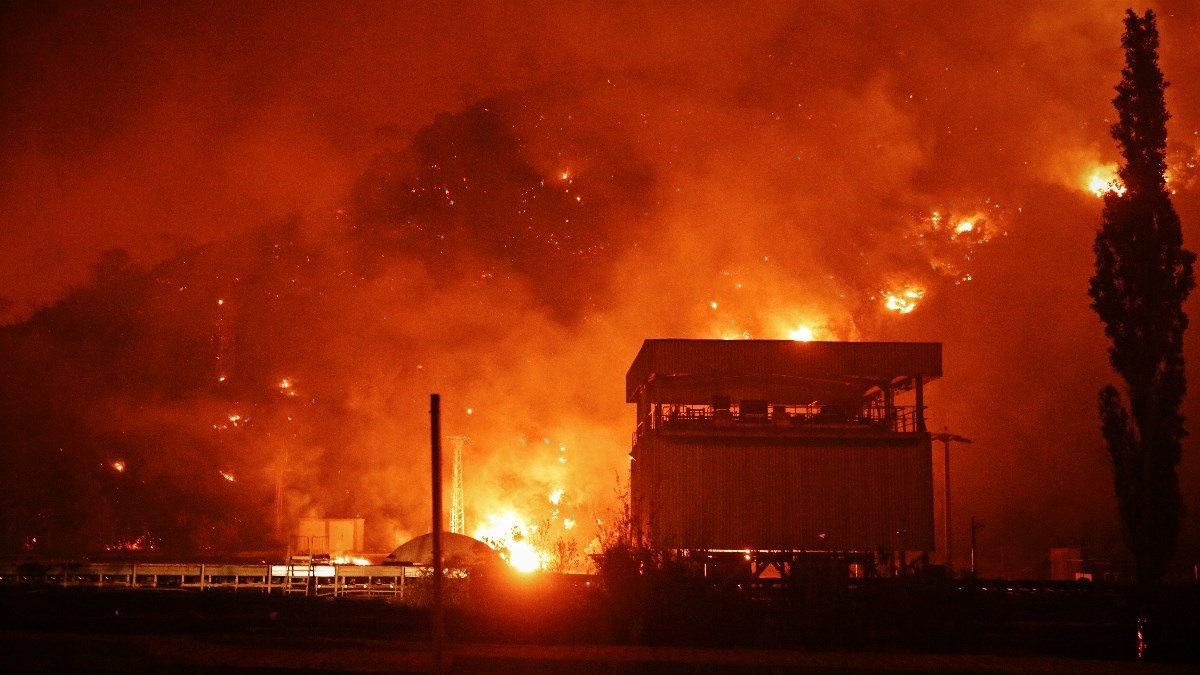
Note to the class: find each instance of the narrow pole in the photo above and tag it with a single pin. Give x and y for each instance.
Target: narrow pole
(920, 381)
(949, 528)
(974, 527)
(439, 617)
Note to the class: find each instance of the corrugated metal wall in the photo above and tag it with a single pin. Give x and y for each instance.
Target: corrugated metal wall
(793, 493)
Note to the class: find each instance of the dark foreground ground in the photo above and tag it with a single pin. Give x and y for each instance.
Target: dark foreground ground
(567, 629)
(106, 653)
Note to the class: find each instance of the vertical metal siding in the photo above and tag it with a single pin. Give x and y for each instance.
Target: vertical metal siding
(736, 494)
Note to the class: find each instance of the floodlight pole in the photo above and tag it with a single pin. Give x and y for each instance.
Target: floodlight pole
(946, 438)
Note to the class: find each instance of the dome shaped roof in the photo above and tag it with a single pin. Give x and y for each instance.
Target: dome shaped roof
(458, 550)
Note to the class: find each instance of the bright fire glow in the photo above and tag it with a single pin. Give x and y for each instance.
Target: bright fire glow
(1105, 180)
(801, 334)
(556, 495)
(119, 466)
(349, 560)
(964, 226)
(904, 301)
(227, 476)
(510, 534)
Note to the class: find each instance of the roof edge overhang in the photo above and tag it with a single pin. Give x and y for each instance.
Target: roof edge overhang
(845, 364)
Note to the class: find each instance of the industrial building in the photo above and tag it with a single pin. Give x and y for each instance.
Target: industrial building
(782, 452)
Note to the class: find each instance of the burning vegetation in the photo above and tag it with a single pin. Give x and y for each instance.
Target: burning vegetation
(463, 256)
(509, 246)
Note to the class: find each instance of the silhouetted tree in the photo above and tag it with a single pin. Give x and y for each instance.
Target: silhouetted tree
(1143, 275)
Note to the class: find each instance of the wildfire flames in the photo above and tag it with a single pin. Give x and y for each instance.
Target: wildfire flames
(801, 334)
(903, 301)
(537, 533)
(1104, 180)
(143, 542)
(324, 268)
(512, 536)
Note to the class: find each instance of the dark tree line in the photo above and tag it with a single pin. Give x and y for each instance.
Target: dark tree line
(1143, 276)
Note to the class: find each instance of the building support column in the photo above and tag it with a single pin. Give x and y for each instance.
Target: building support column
(921, 404)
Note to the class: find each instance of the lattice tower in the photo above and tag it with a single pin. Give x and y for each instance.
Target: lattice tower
(457, 525)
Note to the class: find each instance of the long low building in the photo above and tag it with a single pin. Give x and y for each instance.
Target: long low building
(308, 579)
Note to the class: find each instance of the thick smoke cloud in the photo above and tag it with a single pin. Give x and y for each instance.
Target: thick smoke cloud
(499, 204)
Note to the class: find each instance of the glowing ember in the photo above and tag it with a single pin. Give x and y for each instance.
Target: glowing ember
(145, 542)
(118, 466)
(964, 226)
(905, 301)
(227, 476)
(568, 523)
(235, 420)
(556, 495)
(801, 334)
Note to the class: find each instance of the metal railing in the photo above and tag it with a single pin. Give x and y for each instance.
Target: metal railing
(312, 579)
(898, 419)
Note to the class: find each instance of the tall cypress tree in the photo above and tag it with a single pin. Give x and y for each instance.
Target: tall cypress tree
(1143, 275)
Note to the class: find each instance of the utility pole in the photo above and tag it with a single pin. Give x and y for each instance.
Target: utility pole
(439, 617)
(946, 438)
(457, 524)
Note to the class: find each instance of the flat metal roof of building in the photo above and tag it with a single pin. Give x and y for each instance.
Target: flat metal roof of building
(843, 366)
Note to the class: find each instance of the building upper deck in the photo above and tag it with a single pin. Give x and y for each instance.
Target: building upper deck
(693, 371)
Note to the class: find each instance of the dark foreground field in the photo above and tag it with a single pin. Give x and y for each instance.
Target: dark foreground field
(554, 627)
